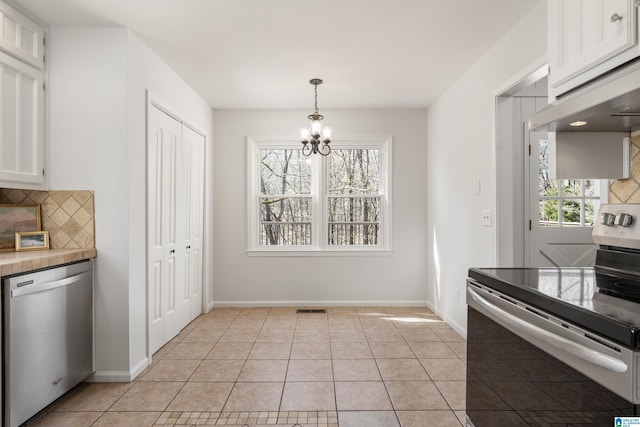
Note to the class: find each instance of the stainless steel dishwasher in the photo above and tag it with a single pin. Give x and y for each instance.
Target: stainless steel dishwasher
(47, 337)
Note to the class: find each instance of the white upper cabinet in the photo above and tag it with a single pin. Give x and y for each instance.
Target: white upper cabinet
(587, 39)
(22, 123)
(21, 37)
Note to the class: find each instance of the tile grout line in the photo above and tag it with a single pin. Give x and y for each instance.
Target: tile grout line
(186, 415)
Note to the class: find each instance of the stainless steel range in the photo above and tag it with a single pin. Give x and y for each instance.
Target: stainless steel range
(559, 346)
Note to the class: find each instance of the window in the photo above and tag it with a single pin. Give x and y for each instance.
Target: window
(566, 202)
(301, 205)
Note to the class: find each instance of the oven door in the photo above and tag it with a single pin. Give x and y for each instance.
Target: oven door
(513, 382)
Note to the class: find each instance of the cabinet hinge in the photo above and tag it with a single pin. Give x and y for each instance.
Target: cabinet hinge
(529, 149)
(44, 86)
(44, 41)
(44, 59)
(529, 225)
(42, 171)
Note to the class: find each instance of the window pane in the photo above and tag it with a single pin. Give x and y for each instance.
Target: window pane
(547, 187)
(354, 220)
(544, 183)
(354, 171)
(590, 188)
(571, 187)
(350, 209)
(284, 172)
(285, 221)
(571, 212)
(590, 210)
(549, 213)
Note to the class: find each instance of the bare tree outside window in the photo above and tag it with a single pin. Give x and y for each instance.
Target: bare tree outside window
(354, 197)
(285, 198)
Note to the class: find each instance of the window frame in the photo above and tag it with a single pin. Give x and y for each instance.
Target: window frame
(319, 196)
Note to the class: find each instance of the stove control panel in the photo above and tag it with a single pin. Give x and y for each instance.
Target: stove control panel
(617, 225)
(621, 219)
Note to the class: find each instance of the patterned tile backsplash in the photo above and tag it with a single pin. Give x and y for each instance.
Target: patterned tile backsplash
(68, 216)
(628, 190)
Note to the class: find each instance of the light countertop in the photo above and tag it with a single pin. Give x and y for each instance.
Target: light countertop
(21, 262)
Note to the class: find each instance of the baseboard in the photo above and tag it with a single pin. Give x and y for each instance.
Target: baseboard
(392, 303)
(118, 376)
(458, 328)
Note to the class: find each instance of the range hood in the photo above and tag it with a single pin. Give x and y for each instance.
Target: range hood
(608, 104)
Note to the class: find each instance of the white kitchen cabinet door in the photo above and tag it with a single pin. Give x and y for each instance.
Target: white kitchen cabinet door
(21, 37)
(175, 180)
(21, 125)
(588, 38)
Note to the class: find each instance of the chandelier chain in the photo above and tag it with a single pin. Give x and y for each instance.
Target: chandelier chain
(316, 101)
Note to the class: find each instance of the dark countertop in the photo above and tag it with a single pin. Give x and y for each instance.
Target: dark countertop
(571, 294)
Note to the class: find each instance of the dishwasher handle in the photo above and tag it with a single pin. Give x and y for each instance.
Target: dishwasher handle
(42, 287)
(560, 343)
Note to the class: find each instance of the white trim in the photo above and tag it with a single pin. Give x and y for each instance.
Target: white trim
(517, 81)
(314, 303)
(119, 376)
(320, 246)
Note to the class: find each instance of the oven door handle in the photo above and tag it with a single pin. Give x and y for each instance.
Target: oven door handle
(583, 352)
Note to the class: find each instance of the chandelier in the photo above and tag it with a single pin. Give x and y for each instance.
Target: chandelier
(311, 138)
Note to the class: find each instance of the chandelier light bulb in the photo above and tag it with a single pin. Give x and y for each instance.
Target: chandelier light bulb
(305, 134)
(316, 128)
(326, 134)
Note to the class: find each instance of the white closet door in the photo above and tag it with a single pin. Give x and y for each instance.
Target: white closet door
(168, 310)
(193, 144)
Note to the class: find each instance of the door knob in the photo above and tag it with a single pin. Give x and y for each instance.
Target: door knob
(172, 251)
(615, 17)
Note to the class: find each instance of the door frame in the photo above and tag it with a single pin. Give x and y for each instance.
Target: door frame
(508, 175)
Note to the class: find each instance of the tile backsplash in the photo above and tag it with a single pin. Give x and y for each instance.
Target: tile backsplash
(68, 216)
(628, 190)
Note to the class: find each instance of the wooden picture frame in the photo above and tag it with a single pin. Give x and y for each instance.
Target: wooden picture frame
(32, 240)
(14, 219)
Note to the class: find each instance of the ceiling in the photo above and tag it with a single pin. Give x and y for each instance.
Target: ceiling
(261, 54)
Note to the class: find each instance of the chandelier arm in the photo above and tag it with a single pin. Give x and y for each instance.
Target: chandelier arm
(306, 150)
(324, 152)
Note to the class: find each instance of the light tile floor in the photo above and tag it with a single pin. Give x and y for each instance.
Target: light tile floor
(352, 367)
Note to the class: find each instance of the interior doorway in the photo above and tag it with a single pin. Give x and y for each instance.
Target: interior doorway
(541, 222)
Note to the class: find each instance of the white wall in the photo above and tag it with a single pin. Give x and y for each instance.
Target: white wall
(146, 71)
(396, 279)
(98, 78)
(87, 150)
(461, 153)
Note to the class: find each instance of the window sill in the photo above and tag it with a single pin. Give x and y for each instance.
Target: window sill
(319, 253)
